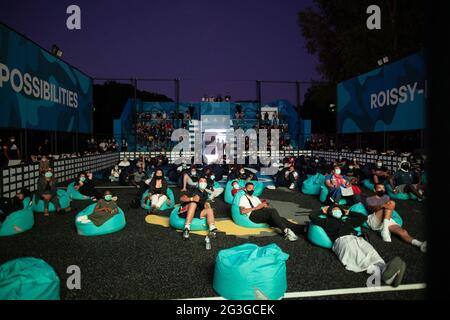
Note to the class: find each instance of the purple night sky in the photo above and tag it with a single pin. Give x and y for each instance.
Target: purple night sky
(209, 43)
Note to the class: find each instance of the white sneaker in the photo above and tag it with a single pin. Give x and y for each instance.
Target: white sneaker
(271, 187)
(423, 247)
(386, 235)
(290, 235)
(292, 186)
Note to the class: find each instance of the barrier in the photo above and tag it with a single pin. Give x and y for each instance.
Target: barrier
(14, 178)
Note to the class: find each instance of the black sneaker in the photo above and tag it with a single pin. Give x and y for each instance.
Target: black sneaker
(395, 270)
(213, 233)
(186, 234)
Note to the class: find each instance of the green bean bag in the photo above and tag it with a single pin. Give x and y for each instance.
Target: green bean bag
(242, 219)
(400, 195)
(75, 194)
(178, 223)
(241, 271)
(311, 186)
(367, 184)
(148, 204)
(28, 279)
(359, 207)
(18, 221)
(115, 224)
(259, 188)
(318, 236)
(64, 202)
(324, 194)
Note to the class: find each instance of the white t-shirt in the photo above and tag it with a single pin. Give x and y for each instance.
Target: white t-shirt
(245, 203)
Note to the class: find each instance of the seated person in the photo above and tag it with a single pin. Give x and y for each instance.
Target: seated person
(138, 178)
(115, 174)
(404, 181)
(85, 186)
(352, 172)
(157, 191)
(354, 252)
(259, 211)
(381, 208)
(213, 192)
(380, 174)
(105, 209)
(340, 187)
(124, 163)
(46, 191)
(288, 177)
(235, 188)
(8, 206)
(190, 178)
(243, 174)
(196, 205)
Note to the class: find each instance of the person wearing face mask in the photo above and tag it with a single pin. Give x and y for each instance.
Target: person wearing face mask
(211, 179)
(85, 186)
(381, 208)
(288, 177)
(8, 206)
(196, 204)
(157, 191)
(259, 211)
(242, 174)
(354, 252)
(105, 209)
(190, 179)
(380, 174)
(340, 187)
(46, 191)
(115, 174)
(403, 181)
(235, 188)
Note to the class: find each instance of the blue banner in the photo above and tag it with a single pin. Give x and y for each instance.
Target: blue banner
(39, 91)
(389, 98)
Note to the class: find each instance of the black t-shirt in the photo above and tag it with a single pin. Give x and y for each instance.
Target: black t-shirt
(336, 228)
(382, 169)
(203, 197)
(12, 150)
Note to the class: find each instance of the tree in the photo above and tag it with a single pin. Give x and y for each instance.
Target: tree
(109, 100)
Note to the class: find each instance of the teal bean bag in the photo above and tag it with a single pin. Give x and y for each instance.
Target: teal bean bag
(242, 219)
(259, 188)
(18, 221)
(318, 236)
(367, 184)
(148, 204)
(75, 194)
(177, 222)
(242, 272)
(400, 195)
(28, 279)
(64, 202)
(311, 186)
(115, 224)
(359, 207)
(324, 194)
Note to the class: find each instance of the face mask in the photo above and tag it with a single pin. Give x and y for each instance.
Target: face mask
(213, 177)
(405, 168)
(236, 186)
(316, 161)
(48, 174)
(82, 179)
(250, 192)
(194, 173)
(337, 171)
(336, 213)
(379, 165)
(380, 193)
(108, 197)
(242, 171)
(12, 140)
(350, 167)
(159, 177)
(202, 185)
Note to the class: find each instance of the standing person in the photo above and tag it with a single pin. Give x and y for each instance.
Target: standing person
(354, 252)
(11, 151)
(44, 149)
(381, 208)
(124, 147)
(260, 212)
(196, 205)
(46, 191)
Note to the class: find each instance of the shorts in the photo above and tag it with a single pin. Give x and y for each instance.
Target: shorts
(401, 188)
(197, 213)
(376, 225)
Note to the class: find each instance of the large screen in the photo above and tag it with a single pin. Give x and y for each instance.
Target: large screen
(38, 90)
(389, 98)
